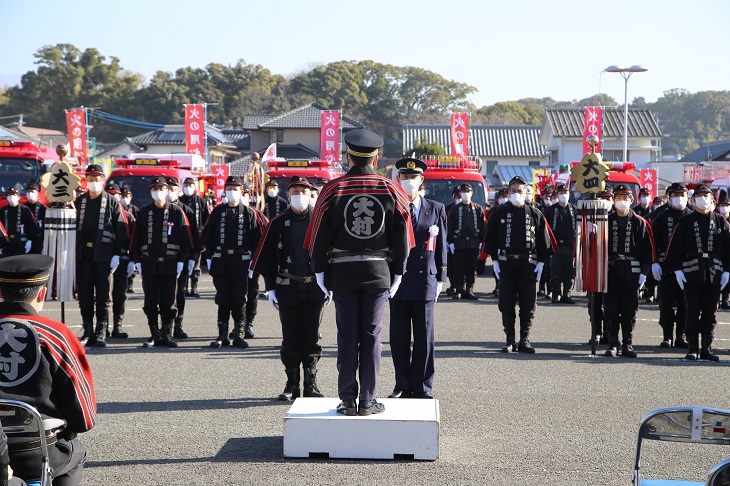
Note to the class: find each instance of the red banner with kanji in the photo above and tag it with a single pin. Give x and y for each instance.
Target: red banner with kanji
(76, 124)
(195, 129)
(220, 171)
(460, 134)
(648, 179)
(329, 142)
(593, 125)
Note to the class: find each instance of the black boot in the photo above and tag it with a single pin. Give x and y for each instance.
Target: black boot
(100, 335)
(627, 350)
(222, 339)
(194, 288)
(706, 351)
(179, 333)
(118, 332)
(154, 339)
(88, 328)
(166, 338)
(92, 335)
(291, 389)
(510, 338)
(248, 334)
(566, 299)
(694, 348)
(238, 338)
(457, 294)
(681, 342)
(469, 294)
(310, 381)
(130, 285)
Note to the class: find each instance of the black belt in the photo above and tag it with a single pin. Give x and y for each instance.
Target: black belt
(297, 278)
(621, 258)
(346, 253)
(514, 257)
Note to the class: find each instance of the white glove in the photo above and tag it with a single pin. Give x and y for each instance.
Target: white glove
(538, 270)
(451, 247)
(191, 266)
(656, 270)
(114, 263)
(328, 299)
(29, 245)
(724, 278)
(320, 282)
(180, 266)
(250, 274)
(439, 288)
(139, 268)
(130, 269)
(681, 279)
(273, 300)
(208, 262)
(495, 269)
(396, 284)
(642, 280)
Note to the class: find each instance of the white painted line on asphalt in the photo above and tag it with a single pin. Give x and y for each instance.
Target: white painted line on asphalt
(657, 321)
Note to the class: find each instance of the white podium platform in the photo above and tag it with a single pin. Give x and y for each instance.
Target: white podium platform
(407, 429)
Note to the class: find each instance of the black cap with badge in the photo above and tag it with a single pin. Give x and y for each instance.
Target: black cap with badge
(94, 170)
(676, 187)
(233, 181)
(363, 143)
(172, 181)
(158, 182)
(517, 180)
(299, 181)
(25, 270)
(410, 165)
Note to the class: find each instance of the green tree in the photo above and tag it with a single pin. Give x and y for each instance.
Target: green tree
(423, 148)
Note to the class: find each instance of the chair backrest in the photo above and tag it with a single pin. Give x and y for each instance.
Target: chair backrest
(20, 419)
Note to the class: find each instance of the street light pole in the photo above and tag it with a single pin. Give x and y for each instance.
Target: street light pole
(626, 73)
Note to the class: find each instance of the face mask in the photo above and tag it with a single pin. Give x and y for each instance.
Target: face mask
(622, 206)
(158, 196)
(563, 198)
(172, 196)
(246, 201)
(233, 196)
(657, 207)
(679, 202)
(95, 186)
(410, 186)
(528, 197)
(645, 200)
(547, 203)
(13, 200)
(502, 200)
(517, 199)
(457, 200)
(300, 202)
(319, 188)
(555, 201)
(702, 202)
(272, 192)
(312, 201)
(32, 196)
(189, 190)
(422, 193)
(127, 201)
(724, 210)
(465, 197)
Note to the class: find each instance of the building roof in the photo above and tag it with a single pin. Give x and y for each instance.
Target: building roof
(502, 174)
(102, 149)
(719, 150)
(36, 132)
(307, 116)
(175, 135)
(484, 140)
(238, 137)
(569, 123)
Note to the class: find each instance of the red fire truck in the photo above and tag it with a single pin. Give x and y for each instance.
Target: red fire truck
(282, 170)
(137, 174)
(22, 164)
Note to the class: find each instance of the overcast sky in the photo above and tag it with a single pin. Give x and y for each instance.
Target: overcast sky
(507, 49)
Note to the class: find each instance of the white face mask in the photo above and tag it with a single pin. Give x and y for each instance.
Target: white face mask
(312, 201)
(272, 192)
(502, 200)
(657, 206)
(528, 197)
(172, 196)
(246, 200)
(517, 199)
(465, 197)
(158, 196)
(563, 198)
(127, 201)
(679, 202)
(300, 202)
(724, 210)
(233, 196)
(645, 200)
(457, 200)
(13, 200)
(622, 206)
(410, 186)
(95, 186)
(189, 190)
(547, 203)
(32, 196)
(703, 202)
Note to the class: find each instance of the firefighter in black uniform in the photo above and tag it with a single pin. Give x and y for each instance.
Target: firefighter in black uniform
(199, 206)
(275, 204)
(467, 227)
(723, 209)
(119, 276)
(562, 220)
(39, 213)
(455, 199)
(672, 297)
(519, 242)
(699, 255)
(252, 294)
(293, 290)
(644, 208)
(630, 256)
(359, 238)
(173, 197)
(160, 248)
(20, 225)
(230, 237)
(101, 240)
(134, 210)
(500, 198)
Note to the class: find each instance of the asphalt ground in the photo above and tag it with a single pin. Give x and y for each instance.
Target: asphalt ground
(198, 416)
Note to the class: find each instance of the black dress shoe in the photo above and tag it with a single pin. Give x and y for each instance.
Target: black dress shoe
(456, 296)
(567, 299)
(347, 407)
(469, 295)
(400, 394)
(369, 407)
(428, 395)
(681, 342)
(509, 348)
(525, 347)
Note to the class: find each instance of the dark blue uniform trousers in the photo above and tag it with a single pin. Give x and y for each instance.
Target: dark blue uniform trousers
(413, 371)
(359, 315)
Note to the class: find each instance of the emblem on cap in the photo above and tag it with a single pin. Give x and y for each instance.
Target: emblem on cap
(411, 165)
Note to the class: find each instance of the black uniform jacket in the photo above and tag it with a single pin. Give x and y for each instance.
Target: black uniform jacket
(630, 242)
(700, 247)
(360, 233)
(200, 210)
(161, 239)
(195, 247)
(562, 223)
(275, 206)
(21, 227)
(112, 236)
(466, 225)
(662, 226)
(230, 237)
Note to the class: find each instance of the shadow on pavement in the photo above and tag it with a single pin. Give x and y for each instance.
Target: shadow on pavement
(184, 405)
